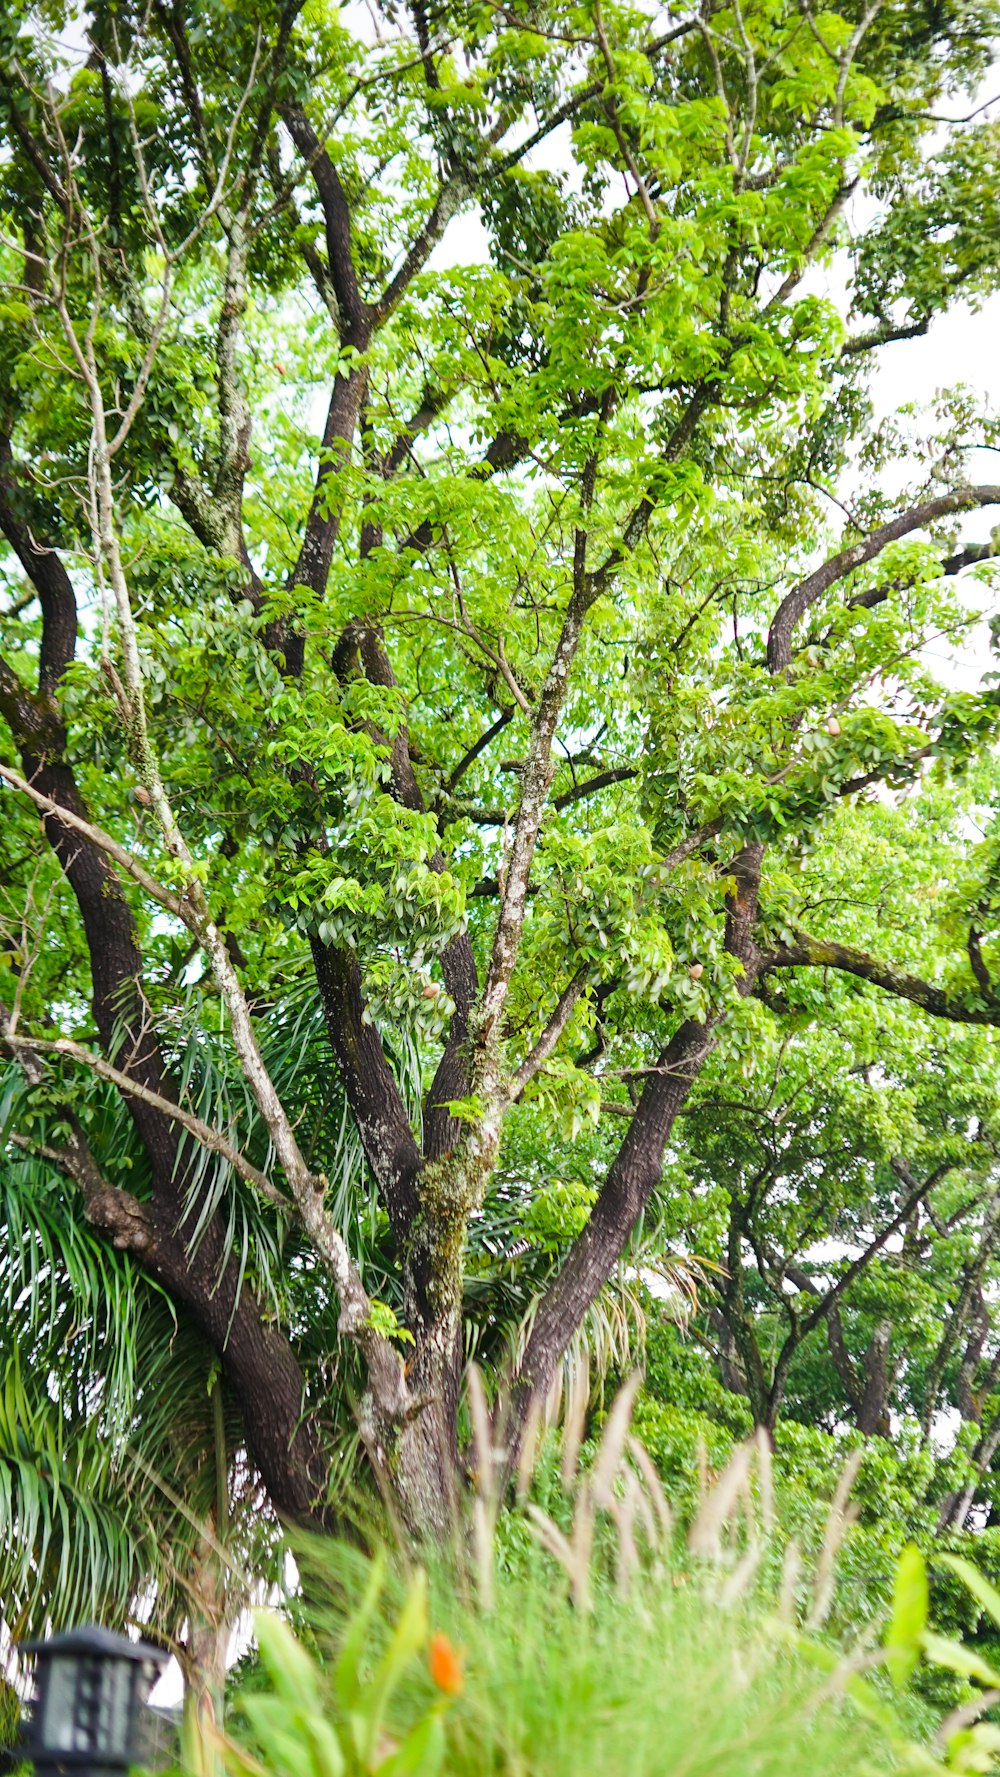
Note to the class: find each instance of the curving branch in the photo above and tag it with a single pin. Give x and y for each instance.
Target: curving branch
(485, 740)
(45, 571)
(916, 518)
(96, 836)
(883, 335)
(806, 952)
(74, 1157)
(550, 1035)
(621, 774)
(203, 1132)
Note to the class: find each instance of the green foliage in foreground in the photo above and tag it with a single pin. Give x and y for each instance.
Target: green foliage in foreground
(694, 1671)
(665, 1681)
(601, 1638)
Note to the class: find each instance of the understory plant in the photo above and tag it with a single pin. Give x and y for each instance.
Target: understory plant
(594, 1637)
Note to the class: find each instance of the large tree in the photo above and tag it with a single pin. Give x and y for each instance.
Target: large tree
(468, 646)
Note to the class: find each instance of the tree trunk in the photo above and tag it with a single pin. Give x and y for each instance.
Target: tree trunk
(258, 1360)
(632, 1177)
(872, 1413)
(415, 1457)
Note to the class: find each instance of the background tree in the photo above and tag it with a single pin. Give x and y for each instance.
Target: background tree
(852, 1159)
(466, 649)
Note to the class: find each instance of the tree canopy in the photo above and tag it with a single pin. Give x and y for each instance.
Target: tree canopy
(484, 811)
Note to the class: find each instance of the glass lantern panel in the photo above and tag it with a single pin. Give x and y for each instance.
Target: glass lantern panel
(115, 1713)
(58, 1727)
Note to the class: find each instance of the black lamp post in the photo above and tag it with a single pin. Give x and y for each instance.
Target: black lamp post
(89, 1715)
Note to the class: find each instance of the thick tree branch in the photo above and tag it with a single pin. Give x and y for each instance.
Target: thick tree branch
(433, 403)
(883, 335)
(621, 774)
(795, 605)
(374, 1097)
(824, 953)
(968, 557)
(632, 1177)
(634, 1173)
(235, 420)
(820, 235)
(505, 451)
(322, 528)
(356, 314)
(834, 1332)
(357, 320)
(45, 571)
(978, 965)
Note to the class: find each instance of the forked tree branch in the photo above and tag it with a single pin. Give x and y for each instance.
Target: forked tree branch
(824, 953)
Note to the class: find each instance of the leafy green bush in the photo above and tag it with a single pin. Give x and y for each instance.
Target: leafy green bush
(312, 1723)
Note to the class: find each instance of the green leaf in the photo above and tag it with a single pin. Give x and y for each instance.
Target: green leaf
(408, 1636)
(345, 1676)
(956, 1657)
(288, 1665)
(421, 1753)
(977, 1583)
(910, 1604)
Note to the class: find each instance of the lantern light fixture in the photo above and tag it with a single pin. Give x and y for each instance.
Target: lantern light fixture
(89, 1716)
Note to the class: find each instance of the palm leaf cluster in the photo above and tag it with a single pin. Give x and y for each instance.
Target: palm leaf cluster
(110, 1433)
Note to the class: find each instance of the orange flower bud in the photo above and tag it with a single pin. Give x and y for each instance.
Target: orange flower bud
(445, 1663)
